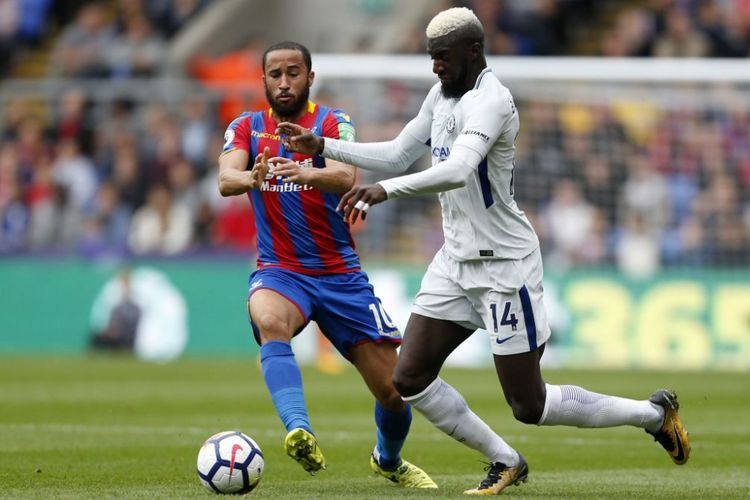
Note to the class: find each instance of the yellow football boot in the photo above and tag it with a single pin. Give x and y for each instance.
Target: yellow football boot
(303, 447)
(406, 475)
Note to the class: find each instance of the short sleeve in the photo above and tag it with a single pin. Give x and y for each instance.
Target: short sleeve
(339, 125)
(237, 134)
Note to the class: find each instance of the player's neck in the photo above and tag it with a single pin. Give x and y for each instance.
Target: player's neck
(293, 118)
(474, 72)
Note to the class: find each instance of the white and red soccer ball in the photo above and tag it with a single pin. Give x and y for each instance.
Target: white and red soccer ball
(230, 462)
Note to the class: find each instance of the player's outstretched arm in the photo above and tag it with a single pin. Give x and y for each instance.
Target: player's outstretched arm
(234, 179)
(390, 156)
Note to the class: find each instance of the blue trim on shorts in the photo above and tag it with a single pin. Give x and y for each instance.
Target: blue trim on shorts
(528, 317)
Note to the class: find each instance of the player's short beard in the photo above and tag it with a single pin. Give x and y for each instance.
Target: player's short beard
(291, 109)
(454, 88)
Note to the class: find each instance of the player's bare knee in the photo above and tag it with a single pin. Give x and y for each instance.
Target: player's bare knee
(409, 385)
(528, 412)
(272, 328)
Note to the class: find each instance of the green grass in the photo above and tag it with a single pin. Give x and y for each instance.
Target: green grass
(110, 427)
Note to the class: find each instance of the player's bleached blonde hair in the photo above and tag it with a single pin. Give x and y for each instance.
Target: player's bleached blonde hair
(454, 19)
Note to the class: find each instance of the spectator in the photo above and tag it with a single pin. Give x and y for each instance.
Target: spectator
(160, 226)
(55, 220)
(570, 224)
(75, 172)
(176, 14)
(723, 32)
(81, 49)
(9, 27)
(106, 227)
(137, 52)
(33, 20)
(681, 38)
(197, 126)
(638, 253)
(14, 213)
(74, 121)
(122, 324)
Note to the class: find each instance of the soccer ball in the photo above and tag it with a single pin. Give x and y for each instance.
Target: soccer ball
(230, 462)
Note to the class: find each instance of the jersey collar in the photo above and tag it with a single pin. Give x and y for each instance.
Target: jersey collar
(479, 78)
(311, 106)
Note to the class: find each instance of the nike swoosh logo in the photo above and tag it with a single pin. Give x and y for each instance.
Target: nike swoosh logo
(454, 430)
(235, 449)
(680, 455)
(500, 341)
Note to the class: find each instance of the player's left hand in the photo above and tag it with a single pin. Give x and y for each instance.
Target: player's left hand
(359, 199)
(290, 170)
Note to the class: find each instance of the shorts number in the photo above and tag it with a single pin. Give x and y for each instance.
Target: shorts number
(381, 317)
(508, 317)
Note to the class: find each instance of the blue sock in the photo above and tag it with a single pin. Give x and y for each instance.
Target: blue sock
(284, 382)
(393, 426)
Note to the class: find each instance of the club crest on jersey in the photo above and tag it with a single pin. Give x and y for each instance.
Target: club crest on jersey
(450, 125)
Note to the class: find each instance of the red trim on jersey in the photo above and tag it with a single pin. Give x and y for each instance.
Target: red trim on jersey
(316, 215)
(283, 246)
(314, 209)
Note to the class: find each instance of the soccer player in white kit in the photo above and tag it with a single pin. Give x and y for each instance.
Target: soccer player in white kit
(488, 274)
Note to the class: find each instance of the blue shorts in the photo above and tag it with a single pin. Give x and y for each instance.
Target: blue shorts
(343, 305)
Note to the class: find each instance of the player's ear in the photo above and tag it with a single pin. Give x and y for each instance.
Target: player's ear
(475, 49)
(310, 78)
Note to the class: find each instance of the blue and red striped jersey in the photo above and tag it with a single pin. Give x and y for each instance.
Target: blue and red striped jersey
(298, 226)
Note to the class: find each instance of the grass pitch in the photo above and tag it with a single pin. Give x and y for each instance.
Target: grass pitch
(111, 427)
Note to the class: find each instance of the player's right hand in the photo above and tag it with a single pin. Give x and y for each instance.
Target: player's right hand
(260, 168)
(299, 139)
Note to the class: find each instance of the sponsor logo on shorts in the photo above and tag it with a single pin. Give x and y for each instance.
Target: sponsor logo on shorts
(501, 341)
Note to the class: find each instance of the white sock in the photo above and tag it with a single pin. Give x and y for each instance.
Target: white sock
(572, 405)
(442, 405)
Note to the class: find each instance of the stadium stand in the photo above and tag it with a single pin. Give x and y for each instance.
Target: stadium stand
(130, 135)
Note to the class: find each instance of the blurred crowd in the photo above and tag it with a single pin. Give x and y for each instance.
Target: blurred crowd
(637, 183)
(115, 179)
(94, 39)
(612, 28)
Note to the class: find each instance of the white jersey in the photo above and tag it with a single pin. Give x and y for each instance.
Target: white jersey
(480, 220)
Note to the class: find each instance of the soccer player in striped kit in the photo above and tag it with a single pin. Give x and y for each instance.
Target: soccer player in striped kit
(489, 272)
(307, 267)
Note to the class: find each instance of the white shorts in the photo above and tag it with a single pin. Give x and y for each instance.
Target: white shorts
(505, 297)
